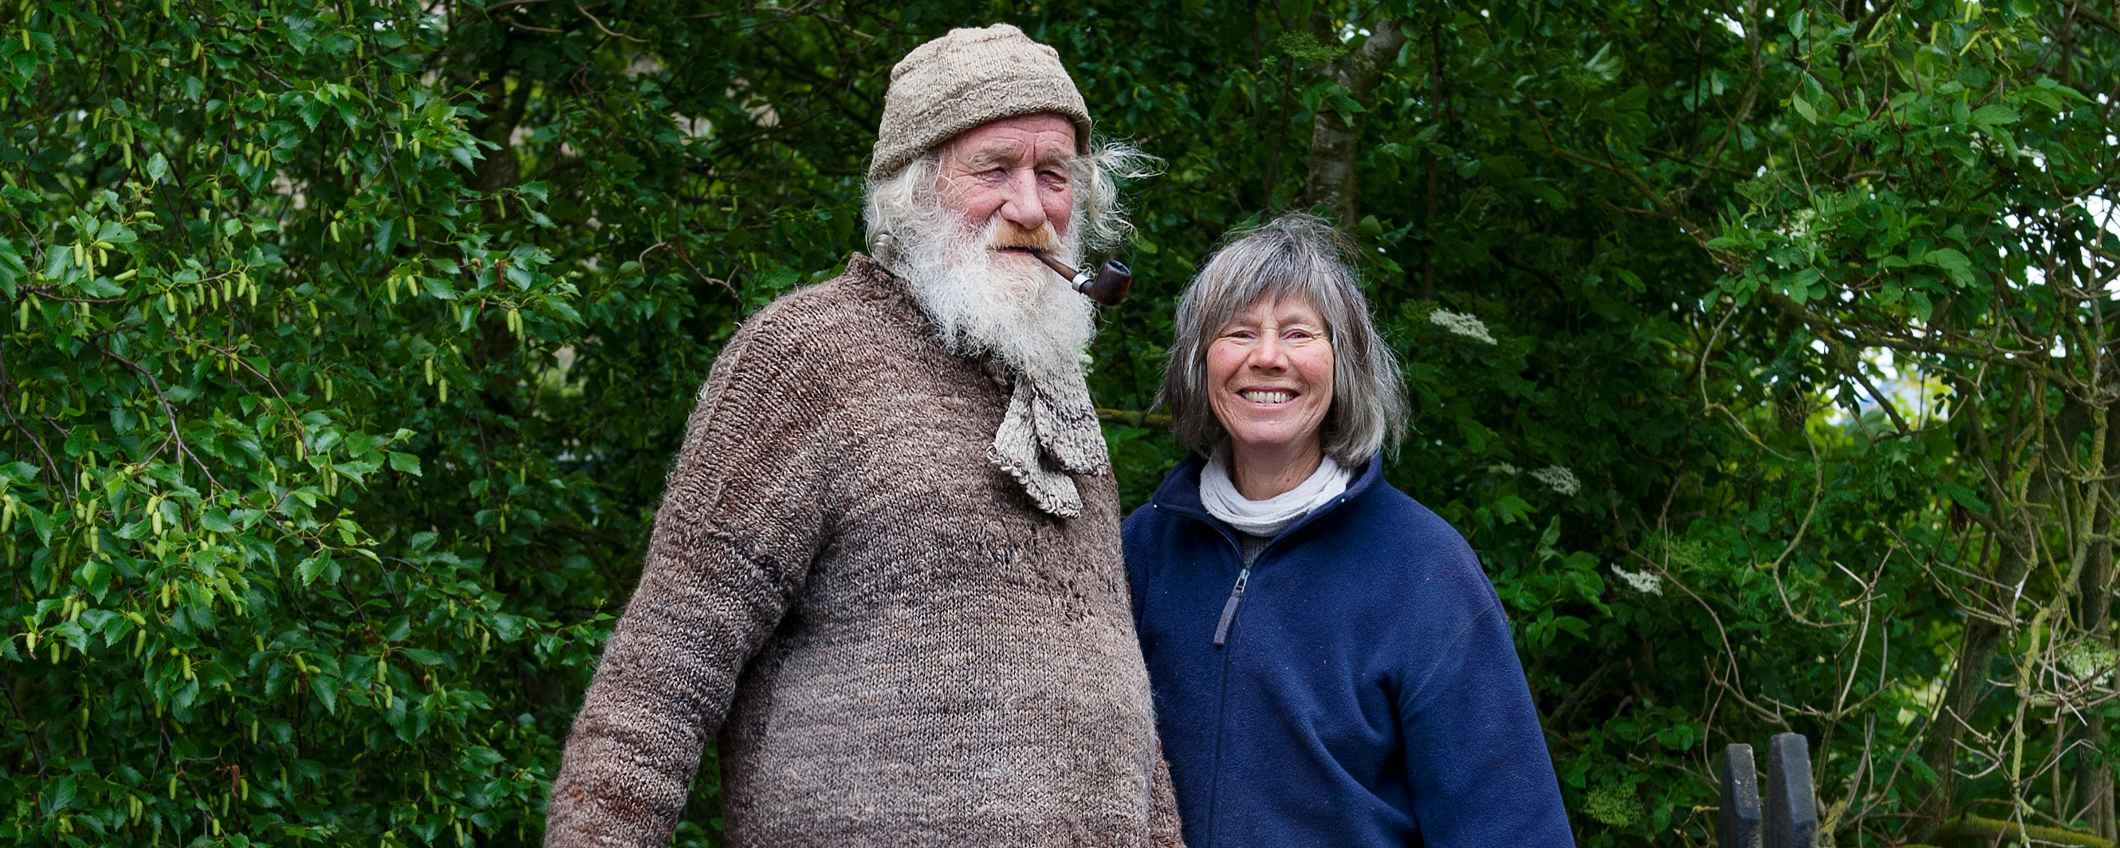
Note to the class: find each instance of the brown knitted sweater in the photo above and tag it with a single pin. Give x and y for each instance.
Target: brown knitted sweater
(889, 643)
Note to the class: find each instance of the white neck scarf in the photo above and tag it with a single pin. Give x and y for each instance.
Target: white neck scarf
(1265, 518)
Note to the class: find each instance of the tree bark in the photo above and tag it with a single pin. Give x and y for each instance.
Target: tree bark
(1333, 137)
(1969, 681)
(2093, 796)
(1939, 747)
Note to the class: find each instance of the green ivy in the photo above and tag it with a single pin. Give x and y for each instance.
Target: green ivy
(346, 345)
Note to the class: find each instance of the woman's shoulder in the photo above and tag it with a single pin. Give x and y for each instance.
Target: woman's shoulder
(1395, 517)
(1406, 542)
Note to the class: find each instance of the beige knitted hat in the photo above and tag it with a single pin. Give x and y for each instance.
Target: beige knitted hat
(967, 78)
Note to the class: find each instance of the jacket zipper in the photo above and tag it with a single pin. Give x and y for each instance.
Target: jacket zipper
(1229, 607)
(1221, 641)
(1229, 615)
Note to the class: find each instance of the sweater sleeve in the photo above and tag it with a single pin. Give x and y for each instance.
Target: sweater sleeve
(1134, 553)
(741, 519)
(1477, 759)
(1163, 828)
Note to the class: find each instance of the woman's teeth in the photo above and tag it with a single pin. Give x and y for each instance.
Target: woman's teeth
(1256, 396)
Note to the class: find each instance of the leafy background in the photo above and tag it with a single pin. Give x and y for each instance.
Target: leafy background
(1761, 350)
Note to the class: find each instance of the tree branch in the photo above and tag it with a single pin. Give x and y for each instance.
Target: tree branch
(1333, 135)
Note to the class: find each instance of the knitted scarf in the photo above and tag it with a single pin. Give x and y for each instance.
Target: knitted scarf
(1049, 432)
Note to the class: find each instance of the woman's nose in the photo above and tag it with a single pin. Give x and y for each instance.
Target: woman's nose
(1269, 355)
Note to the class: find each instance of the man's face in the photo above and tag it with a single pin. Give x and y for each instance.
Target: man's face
(1016, 169)
(1002, 190)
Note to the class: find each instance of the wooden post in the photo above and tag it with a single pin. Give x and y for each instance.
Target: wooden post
(1792, 807)
(1738, 824)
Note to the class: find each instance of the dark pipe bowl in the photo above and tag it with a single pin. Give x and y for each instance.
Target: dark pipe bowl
(1113, 281)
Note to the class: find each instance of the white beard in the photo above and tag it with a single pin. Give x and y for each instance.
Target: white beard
(1006, 305)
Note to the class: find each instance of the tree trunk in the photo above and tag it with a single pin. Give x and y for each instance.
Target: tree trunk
(1333, 136)
(1939, 747)
(2093, 775)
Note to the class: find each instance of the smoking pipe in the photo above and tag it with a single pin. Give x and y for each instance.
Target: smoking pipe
(1108, 288)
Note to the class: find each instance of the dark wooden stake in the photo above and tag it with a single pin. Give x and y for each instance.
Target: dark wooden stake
(1792, 807)
(1738, 825)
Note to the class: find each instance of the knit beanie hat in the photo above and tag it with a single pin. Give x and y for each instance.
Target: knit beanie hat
(967, 78)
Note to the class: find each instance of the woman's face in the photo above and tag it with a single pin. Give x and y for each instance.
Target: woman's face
(1269, 376)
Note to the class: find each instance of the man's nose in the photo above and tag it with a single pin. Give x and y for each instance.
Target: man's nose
(1020, 204)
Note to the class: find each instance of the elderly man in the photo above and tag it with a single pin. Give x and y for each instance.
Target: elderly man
(886, 576)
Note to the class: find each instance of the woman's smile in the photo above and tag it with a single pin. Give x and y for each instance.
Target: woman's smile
(1270, 373)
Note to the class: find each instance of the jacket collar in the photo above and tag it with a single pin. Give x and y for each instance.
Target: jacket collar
(1180, 492)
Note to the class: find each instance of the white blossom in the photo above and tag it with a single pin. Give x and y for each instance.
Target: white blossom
(1460, 323)
(1559, 479)
(1642, 581)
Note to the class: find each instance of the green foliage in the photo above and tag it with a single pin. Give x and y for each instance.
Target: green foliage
(347, 344)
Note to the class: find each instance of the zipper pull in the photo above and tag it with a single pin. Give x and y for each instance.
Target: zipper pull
(1229, 607)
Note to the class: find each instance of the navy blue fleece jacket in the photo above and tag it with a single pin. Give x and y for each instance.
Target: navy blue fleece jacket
(1361, 689)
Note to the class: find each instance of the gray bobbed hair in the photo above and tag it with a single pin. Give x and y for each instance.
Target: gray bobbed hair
(1300, 256)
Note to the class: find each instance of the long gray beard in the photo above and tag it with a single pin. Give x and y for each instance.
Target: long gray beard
(1025, 317)
(1013, 309)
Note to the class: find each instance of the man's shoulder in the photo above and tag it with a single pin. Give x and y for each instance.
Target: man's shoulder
(857, 310)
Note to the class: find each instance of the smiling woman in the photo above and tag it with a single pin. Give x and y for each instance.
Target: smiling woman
(1289, 273)
(1329, 662)
(1269, 382)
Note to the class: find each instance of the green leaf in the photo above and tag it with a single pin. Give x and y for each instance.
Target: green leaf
(327, 692)
(40, 521)
(425, 657)
(75, 637)
(405, 462)
(1512, 508)
(94, 576)
(1964, 497)
(1995, 114)
(59, 796)
(102, 287)
(12, 269)
(216, 521)
(385, 235)
(320, 565)
(508, 627)
(1804, 108)
(1954, 264)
